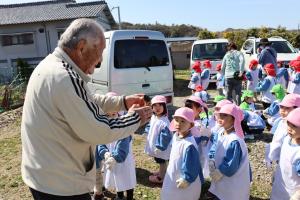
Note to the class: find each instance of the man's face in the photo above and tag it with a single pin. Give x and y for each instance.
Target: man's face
(92, 55)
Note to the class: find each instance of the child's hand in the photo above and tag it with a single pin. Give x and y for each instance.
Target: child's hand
(110, 163)
(157, 151)
(211, 165)
(182, 184)
(216, 175)
(107, 155)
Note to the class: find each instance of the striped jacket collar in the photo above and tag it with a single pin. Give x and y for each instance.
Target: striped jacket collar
(58, 52)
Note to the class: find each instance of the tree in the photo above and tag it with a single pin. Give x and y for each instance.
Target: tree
(206, 34)
(24, 69)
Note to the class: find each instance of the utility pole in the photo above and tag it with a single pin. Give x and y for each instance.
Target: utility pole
(118, 7)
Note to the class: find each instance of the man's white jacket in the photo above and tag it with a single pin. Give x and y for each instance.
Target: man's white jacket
(61, 125)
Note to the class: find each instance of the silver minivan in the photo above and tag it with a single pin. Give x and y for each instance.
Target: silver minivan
(134, 61)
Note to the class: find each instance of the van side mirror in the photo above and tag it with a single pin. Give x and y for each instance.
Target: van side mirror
(188, 56)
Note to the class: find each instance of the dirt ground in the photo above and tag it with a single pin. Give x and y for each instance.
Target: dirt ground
(13, 188)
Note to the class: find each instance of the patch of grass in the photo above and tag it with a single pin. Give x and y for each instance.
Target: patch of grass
(182, 74)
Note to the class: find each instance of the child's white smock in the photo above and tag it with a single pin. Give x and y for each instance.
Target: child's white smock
(252, 84)
(294, 84)
(286, 178)
(156, 126)
(195, 80)
(122, 177)
(236, 187)
(169, 188)
(205, 75)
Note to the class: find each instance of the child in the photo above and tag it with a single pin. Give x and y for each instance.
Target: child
(182, 180)
(201, 93)
(220, 80)
(282, 75)
(271, 114)
(266, 85)
(119, 170)
(229, 162)
(252, 123)
(247, 100)
(252, 76)
(220, 102)
(195, 78)
(201, 130)
(287, 174)
(159, 137)
(289, 103)
(205, 74)
(294, 84)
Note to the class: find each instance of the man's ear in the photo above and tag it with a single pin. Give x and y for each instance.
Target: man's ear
(81, 45)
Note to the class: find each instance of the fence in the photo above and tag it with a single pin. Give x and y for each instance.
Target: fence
(12, 95)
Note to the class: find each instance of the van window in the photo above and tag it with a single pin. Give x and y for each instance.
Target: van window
(140, 53)
(281, 46)
(209, 51)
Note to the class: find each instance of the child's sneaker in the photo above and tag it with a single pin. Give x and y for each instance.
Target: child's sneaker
(99, 197)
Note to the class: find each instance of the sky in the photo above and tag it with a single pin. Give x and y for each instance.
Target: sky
(215, 15)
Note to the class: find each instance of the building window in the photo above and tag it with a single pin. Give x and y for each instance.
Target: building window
(18, 39)
(60, 32)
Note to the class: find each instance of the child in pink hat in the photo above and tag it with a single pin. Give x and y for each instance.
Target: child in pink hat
(205, 74)
(289, 103)
(158, 137)
(201, 130)
(229, 162)
(118, 163)
(287, 174)
(182, 180)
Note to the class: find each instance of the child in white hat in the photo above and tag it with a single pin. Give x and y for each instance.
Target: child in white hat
(159, 137)
(287, 175)
(182, 180)
(229, 162)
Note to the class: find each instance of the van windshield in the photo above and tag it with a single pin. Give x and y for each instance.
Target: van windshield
(281, 46)
(211, 51)
(140, 53)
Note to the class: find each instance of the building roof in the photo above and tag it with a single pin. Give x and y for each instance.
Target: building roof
(52, 11)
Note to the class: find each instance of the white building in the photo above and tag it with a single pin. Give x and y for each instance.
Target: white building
(30, 30)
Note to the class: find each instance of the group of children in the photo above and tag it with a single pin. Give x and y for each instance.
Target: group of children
(198, 144)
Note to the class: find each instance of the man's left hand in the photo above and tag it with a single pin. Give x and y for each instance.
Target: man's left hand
(134, 99)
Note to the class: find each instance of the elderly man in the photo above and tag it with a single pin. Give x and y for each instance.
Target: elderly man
(62, 122)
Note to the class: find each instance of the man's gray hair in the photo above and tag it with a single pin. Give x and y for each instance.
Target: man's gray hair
(84, 28)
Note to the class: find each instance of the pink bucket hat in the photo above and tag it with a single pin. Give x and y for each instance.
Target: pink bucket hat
(158, 99)
(223, 102)
(238, 114)
(197, 100)
(185, 113)
(111, 94)
(294, 117)
(291, 100)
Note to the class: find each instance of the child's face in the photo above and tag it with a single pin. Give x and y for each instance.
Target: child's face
(158, 109)
(226, 121)
(182, 126)
(249, 99)
(254, 67)
(293, 131)
(284, 111)
(112, 114)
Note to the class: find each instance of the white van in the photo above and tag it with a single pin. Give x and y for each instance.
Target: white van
(134, 61)
(209, 49)
(285, 51)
